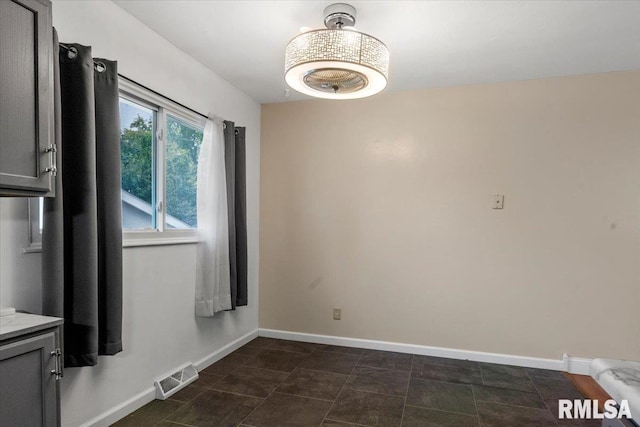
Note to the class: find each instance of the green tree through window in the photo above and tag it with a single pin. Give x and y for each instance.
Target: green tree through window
(183, 148)
(178, 173)
(136, 155)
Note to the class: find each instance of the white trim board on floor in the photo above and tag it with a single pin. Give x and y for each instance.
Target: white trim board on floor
(573, 365)
(224, 351)
(149, 394)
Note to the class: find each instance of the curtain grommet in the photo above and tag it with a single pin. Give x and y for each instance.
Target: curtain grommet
(72, 53)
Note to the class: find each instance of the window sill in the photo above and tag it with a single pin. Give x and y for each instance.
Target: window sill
(158, 241)
(34, 248)
(133, 239)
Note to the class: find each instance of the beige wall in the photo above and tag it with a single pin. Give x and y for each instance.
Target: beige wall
(382, 207)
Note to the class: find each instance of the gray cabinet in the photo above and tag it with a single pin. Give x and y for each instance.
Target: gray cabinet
(27, 152)
(30, 367)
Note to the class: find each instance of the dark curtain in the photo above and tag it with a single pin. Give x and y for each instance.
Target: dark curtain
(235, 165)
(82, 231)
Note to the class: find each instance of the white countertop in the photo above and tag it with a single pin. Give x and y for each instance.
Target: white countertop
(22, 323)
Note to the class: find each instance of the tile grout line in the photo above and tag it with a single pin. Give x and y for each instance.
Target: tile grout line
(375, 392)
(166, 418)
(318, 370)
(475, 401)
(456, 382)
(342, 389)
(182, 405)
(378, 369)
(515, 406)
(308, 354)
(175, 422)
(256, 367)
(345, 422)
(271, 393)
(336, 349)
(236, 393)
(441, 410)
(264, 369)
(290, 351)
(406, 394)
(345, 386)
(387, 369)
(304, 397)
(535, 386)
(268, 347)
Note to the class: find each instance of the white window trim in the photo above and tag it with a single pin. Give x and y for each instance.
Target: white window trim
(144, 237)
(153, 100)
(162, 235)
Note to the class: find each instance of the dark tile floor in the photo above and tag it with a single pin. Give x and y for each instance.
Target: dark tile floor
(271, 382)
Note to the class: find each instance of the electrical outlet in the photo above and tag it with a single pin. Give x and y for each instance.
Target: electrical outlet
(337, 313)
(498, 201)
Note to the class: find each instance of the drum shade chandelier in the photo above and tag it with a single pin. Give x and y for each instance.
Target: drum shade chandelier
(337, 62)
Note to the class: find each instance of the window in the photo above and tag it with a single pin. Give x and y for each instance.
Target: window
(160, 143)
(137, 143)
(183, 148)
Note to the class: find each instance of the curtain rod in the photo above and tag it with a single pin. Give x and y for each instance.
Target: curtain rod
(73, 51)
(164, 96)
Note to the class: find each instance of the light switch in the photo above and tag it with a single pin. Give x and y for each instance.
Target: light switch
(498, 201)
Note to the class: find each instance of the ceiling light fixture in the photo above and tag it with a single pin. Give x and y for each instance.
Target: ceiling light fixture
(338, 62)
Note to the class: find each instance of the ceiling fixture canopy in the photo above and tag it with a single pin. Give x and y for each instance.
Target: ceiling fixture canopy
(338, 62)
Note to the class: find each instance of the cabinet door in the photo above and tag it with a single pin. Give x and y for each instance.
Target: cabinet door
(26, 97)
(28, 390)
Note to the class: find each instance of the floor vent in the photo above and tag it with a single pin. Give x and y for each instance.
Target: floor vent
(171, 384)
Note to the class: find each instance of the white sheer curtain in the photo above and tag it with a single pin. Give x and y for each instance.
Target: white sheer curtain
(213, 291)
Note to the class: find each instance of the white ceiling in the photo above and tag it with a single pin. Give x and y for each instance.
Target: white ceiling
(432, 43)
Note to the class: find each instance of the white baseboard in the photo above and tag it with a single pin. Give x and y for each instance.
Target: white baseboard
(224, 351)
(139, 400)
(122, 410)
(569, 364)
(575, 365)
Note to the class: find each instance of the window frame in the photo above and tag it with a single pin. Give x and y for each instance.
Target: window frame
(140, 237)
(163, 107)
